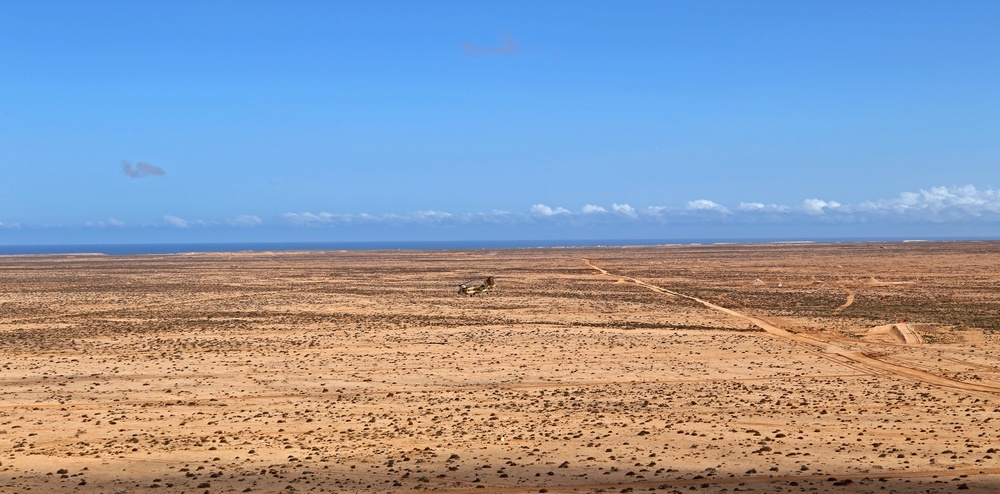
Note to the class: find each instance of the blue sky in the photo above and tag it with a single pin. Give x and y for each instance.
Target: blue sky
(242, 120)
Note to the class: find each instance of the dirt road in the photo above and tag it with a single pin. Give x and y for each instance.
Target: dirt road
(825, 346)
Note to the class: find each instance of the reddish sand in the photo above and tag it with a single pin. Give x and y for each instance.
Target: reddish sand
(766, 368)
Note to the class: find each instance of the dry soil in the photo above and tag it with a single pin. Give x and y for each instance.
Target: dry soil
(867, 367)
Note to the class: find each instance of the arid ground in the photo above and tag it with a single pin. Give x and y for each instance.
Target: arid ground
(869, 367)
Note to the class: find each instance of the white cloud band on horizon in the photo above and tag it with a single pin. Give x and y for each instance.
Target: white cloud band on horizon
(965, 204)
(925, 205)
(938, 203)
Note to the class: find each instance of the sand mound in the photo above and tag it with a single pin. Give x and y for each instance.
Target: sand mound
(905, 333)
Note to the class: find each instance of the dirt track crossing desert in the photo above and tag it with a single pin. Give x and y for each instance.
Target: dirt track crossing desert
(830, 347)
(719, 368)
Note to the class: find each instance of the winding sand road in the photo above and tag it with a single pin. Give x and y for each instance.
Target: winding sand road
(848, 302)
(821, 345)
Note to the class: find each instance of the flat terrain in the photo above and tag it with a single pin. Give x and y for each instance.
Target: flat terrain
(769, 368)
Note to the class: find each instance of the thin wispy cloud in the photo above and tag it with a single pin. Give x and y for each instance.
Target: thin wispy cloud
(110, 222)
(543, 210)
(706, 205)
(245, 220)
(432, 216)
(506, 47)
(239, 221)
(759, 207)
(141, 169)
(175, 221)
(314, 218)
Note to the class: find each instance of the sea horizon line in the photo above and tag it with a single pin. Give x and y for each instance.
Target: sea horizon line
(120, 249)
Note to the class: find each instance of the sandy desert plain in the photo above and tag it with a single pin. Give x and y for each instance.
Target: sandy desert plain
(699, 368)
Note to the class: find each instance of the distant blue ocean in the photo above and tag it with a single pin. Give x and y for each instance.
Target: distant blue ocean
(180, 248)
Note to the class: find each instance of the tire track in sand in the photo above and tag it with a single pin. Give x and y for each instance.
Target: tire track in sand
(848, 302)
(825, 346)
